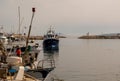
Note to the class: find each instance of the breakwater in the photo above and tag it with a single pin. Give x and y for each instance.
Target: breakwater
(99, 37)
(35, 37)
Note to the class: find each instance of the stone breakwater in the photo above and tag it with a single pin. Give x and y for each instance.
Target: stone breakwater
(31, 37)
(36, 37)
(99, 37)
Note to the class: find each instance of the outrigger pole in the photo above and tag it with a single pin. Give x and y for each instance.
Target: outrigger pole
(33, 10)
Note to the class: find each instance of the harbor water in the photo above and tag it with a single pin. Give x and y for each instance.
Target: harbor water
(87, 59)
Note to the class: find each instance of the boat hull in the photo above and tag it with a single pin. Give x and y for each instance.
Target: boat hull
(50, 44)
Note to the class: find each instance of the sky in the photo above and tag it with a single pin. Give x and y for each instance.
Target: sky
(71, 17)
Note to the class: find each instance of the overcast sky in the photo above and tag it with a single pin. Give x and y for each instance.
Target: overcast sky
(75, 17)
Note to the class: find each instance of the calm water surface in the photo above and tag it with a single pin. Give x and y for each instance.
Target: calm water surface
(87, 60)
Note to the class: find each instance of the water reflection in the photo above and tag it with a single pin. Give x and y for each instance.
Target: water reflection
(51, 51)
(51, 54)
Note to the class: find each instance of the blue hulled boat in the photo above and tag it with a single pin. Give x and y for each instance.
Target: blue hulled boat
(51, 41)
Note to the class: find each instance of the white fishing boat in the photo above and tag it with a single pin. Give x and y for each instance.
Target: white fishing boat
(3, 38)
(13, 70)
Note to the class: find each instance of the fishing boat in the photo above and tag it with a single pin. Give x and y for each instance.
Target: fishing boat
(12, 69)
(3, 38)
(51, 40)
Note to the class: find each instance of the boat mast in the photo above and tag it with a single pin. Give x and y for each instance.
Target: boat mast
(19, 20)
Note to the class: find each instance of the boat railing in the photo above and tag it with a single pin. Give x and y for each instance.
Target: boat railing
(46, 63)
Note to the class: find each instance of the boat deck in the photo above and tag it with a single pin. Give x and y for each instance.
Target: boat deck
(26, 78)
(30, 78)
